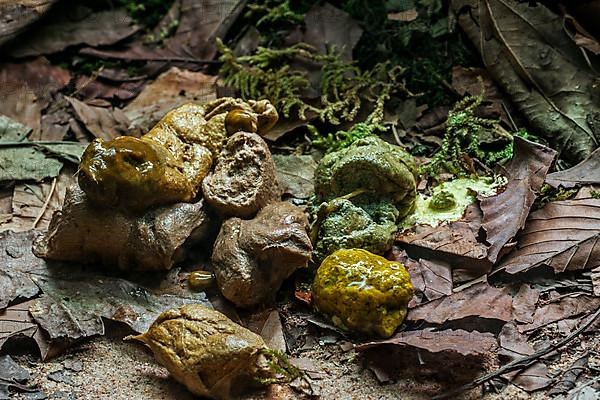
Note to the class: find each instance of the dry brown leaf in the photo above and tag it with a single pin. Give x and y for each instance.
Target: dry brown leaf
(524, 303)
(586, 172)
(596, 281)
(17, 321)
(481, 302)
(103, 123)
(272, 332)
(505, 214)
(200, 23)
(513, 345)
(71, 24)
(31, 202)
(566, 307)
(171, 89)
(564, 235)
(430, 279)
(453, 341)
(15, 16)
(456, 243)
(92, 87)
(28, 88)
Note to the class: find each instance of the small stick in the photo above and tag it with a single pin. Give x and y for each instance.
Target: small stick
(519, 363)
(45, 205)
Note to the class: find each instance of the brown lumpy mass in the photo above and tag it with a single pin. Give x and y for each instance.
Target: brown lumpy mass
(167, 164)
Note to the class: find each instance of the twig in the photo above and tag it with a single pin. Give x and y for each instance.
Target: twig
(519, 363)
(45, 205)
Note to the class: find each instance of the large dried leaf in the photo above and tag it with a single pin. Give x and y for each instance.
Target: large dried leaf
(453, 341)
(567, 307)
(586, 172)
(505, 214)
(103, 123)
(74, 24)
(513, 345)
(456, 243)
(529, 54)
(15, 16)
(73, 304)
(17, 266)
(200, 23)
(525, 303)
(16, 321)
(296, 174)
(564, 235)
(28, 88)
(480, 302)
(171, 89)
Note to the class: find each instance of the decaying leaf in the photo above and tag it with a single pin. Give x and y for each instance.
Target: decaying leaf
(529, 54)
(569, 377)
(200, 23)
(171, 89)
(296, 174)
(13, 377)
(17, 321)
(513, 345)
(586, 172)
(564, 235)
(482, 302)
(103, 123)
(456, 243)
(73, 304)
(566, 307)
(73, 24)
(505, 214)
(15, 16)
(430, 279)
(524, 303)
(17, 266)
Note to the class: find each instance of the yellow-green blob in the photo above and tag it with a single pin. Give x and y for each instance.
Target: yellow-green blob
(362, 292)
(449, 201)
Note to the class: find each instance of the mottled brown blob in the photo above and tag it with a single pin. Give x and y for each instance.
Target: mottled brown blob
(252, 258)
(167, 164)
(206, 351)
(244, 179)
(82, 232)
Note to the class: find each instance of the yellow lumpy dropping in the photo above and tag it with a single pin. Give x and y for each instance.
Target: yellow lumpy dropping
(363, 292)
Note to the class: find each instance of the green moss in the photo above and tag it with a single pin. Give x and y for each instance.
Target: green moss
(549, 194)
(341, 139)
(146, 13)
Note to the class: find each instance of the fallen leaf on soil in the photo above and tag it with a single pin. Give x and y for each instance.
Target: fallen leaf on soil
(586, 172)
(90, 88)
(171, 89)
(430, 279)
(72, 24)
(296, 174)
(466, 82)
(567, 307)
(35, 203)
(328, 27)
(28, 88)
(505, 214)
(16, 321)
(272, 332)
(569, 378)
(456, 243)
(55, 121)
(513, 345)
(524, 303)
(103, 123)
(17, 266)
(481, 302)
(15, 16)
(564, 235)
(596, 281)
(73, 304)
(13, 377)
(200, 23)
(525, 48)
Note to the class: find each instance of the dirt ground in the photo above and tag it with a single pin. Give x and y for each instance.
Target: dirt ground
(110, 368)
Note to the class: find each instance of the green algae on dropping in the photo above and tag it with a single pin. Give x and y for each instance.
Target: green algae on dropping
(449, 200)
